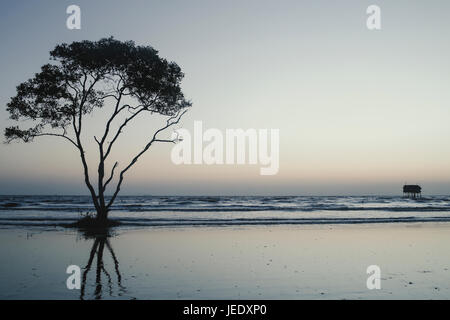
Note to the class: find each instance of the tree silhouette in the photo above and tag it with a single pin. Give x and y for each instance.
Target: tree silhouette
(83, 76)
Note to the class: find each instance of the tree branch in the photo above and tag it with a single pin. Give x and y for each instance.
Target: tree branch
(117, 110)
(111, 176)
(119, 131)
(170, 122)
(80, 146)
(56, 135)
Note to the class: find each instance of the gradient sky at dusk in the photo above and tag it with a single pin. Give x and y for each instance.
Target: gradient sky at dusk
(359, 111)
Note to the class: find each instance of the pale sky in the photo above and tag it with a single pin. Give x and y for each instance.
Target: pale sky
(359, 111)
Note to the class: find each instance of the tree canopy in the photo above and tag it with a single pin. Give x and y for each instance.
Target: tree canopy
(60, 91)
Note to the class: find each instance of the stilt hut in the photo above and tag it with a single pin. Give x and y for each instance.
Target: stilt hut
(412, 191)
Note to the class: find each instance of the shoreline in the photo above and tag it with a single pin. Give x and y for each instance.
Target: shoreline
(124, 225)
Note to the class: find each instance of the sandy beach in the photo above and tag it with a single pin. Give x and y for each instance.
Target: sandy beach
(245, 262)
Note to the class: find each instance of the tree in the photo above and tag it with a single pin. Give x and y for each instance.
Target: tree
(83, 76)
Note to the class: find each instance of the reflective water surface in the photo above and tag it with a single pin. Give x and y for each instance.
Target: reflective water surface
(247, 262)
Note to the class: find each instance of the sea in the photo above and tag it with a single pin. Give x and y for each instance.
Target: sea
(161, 211)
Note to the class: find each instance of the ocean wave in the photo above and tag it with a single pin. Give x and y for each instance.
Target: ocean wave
(143, 208)
(223, 210)
(135, 222)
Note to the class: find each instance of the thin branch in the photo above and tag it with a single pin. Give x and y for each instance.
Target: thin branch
(84, 98)
(117, 110)
(56, 135)
(77, 92)
(170, 122)
(111, 176)
(109, 95)
(163, 140)
(74, 124)
(119, 131)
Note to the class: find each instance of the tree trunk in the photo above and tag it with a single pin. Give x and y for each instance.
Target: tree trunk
(102, 215)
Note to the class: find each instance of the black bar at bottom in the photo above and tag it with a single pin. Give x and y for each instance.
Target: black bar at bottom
(216, 309)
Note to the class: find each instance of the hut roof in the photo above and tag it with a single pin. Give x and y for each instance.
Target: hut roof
(413, 188)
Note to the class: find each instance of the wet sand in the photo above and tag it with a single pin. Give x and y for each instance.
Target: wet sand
(252, 262)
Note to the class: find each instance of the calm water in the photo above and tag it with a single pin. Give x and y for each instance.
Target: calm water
(245, 262)
(225, 210)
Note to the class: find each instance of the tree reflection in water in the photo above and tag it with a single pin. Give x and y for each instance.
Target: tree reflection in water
(101, 240)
